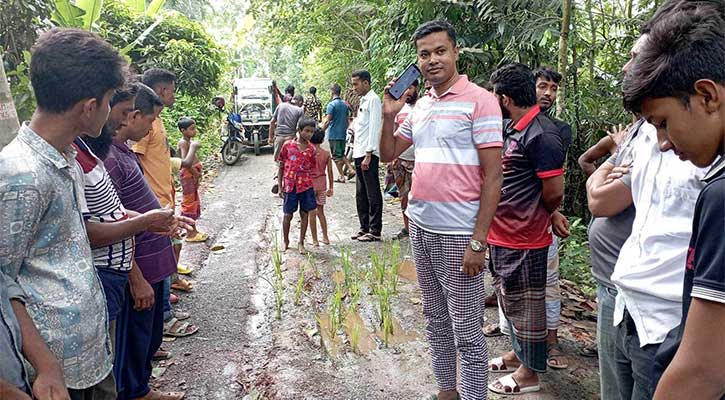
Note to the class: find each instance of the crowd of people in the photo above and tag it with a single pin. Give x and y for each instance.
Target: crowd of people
(92, 242)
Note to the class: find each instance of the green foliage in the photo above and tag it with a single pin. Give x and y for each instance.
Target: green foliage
(22, 90)
(574, 262)
(208, 122)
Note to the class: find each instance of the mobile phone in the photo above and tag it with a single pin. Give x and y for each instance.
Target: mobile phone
(404, 81)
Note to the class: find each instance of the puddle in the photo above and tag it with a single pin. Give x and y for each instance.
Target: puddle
(332, 345)
(406, 270)
(353, 322)
(399, 335)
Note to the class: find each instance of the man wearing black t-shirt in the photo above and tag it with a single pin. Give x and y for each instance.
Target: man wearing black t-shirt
(677, 82)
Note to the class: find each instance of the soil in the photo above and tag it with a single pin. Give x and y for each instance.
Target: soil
(243, 352)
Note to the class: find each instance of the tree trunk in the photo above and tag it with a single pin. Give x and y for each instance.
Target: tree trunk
(592, 40)
(563, 51)
(8, 116)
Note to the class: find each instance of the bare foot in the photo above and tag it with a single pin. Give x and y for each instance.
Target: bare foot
(316, 243)
(301, 248)
(325, 240)
(285, 246)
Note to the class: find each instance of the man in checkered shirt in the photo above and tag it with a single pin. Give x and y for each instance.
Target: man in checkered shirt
(456, 129)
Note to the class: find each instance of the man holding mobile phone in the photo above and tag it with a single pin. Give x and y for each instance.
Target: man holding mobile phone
(457, 132)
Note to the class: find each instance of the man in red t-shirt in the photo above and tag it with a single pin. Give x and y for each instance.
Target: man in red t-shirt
(296, 163)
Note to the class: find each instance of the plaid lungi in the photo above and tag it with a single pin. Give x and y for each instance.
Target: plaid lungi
(519, 278)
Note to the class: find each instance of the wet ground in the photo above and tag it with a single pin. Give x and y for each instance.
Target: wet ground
(317, 349)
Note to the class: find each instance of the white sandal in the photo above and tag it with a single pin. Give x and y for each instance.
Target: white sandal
(498, 366)
(510, 387)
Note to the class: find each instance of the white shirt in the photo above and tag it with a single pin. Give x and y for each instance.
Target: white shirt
(650, 269)
(368, 124)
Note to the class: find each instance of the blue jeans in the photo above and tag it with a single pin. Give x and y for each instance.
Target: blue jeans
(634, 364)
(606, 343)
(168, 314)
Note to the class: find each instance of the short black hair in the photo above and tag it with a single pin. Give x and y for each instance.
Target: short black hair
(336, 89)
(682, 48)
(313, 90)
(305, 122)
(438, 25)
(318, 137)
(158, 76)
(125, 93)
(672, 6)
(290, 89)
(548, 74)
(363, 75)
(184, 123)
(146, 99)
(517, 82)
(69, 65)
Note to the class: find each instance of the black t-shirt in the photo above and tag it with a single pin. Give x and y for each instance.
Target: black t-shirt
(533, 150)
(705, 266)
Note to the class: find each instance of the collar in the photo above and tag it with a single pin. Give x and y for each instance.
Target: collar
(527, 118)
(457, 87)
(44, 149)
(716, 170)
(121, 145)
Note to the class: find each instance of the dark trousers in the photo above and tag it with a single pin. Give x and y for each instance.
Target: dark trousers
(368, 197)
(138, 336)
(104, 390)
(634, 364)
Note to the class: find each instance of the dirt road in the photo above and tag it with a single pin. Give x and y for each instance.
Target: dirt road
(243, 352)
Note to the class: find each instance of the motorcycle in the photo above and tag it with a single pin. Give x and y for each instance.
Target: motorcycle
(231, 132)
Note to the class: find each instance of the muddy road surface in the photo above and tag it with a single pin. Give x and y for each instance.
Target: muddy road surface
(329, 341)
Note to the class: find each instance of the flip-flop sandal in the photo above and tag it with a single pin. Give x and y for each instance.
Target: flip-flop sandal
(492, 331)
(161, 355)
(556, 359)
(498, 366)
(358, 235)
(183, 285)
(369, 238)
(180, 269)
(176, 328)
(174, 299)
(589, 351)
(509, 386)
(340, 179)
(198, 238)
(181, 316)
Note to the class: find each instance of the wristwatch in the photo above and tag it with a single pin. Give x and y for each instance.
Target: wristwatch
(477, 246)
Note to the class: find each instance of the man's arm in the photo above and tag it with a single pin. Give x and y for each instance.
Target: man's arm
(327, 122)
(49, 383)
(272, 128)
(552, 192)
(607, 199)
(141, 292)
(106, 233)
(392, 143)
(602, 148)
(490, 159)
(10, 392)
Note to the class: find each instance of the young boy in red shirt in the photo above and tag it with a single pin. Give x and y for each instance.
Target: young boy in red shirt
(296, 163)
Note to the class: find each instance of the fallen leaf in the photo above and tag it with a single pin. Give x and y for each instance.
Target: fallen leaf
(158, 372)
(217, 247)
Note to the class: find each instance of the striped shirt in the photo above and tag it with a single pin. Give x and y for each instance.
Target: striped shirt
(103, 205)
(447, 132)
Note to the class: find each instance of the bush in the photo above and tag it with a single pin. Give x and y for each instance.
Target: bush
(574, 264)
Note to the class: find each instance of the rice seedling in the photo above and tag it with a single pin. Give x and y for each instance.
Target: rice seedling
(278, 288)
(300, 287)
(337, 311)
(378, 269)
(355, 333)
(277, 259)
(394, 264)
(347, 268)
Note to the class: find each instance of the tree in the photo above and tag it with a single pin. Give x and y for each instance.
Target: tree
(8, 117)
(563, 54)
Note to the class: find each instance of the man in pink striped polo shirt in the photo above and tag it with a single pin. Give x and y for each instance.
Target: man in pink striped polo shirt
(456, 130)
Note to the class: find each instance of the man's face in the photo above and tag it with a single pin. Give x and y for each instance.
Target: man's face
(546, 93)
(167, 93)
(437, 57)
(411, 94)
(502, 102)
(690, 131)
(307, 132)
(118, 117)
(636, 48)
(96, 114)
(360, 86)
(139, 124)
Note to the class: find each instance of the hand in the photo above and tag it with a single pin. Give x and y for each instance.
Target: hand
(50, 385)
(560, 225)
(280, 193)
(473, 262)
(617, 133)
(365, 165)
(142, 294)
(617, 172)
(270, 140)
(392, 107)
(195, 145)
(10, 392)
(160, 220)
(329, 192)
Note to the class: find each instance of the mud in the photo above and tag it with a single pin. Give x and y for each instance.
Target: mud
(243, 352)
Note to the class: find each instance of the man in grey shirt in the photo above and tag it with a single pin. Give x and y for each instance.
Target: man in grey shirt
(606, 237)
(284, 123)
